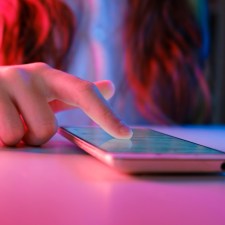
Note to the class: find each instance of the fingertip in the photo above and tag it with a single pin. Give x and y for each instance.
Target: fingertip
(106, 88)
(126, 133)
(123, 132)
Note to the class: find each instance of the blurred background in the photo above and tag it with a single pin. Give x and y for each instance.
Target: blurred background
(215, 64)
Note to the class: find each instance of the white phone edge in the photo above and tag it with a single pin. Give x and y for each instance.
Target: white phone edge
(128, 163)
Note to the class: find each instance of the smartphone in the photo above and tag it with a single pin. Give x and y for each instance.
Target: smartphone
(148, 151)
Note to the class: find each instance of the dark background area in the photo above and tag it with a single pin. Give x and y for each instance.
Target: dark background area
(215, 68)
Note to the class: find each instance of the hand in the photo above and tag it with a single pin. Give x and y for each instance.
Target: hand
(31, 93)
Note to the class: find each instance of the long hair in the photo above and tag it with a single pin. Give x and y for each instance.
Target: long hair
(34, 31)
(162, 69)
(161, 37)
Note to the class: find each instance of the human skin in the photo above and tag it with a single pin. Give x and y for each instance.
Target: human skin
(31, 94)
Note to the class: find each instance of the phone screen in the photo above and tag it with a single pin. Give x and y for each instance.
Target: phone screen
(143, 141)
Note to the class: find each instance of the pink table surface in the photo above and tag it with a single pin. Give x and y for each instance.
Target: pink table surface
(60, 185)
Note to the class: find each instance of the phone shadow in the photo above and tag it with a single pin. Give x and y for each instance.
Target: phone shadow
(182, 177)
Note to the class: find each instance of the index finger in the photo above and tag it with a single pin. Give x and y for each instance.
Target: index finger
(85, 95)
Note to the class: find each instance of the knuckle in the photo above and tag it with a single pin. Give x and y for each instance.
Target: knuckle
(85, 90)
(12, 137)
(10, 71)
(86, 86)
(15, 75)
(107, 114)
(24, 69)
(39, 65)
(43, 133)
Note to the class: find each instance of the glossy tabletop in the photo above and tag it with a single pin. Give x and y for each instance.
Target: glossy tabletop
(58, 184)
